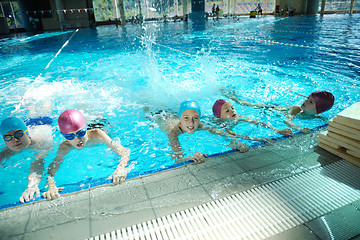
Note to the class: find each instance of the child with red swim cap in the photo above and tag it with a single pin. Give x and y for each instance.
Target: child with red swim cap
(316, 103)
(224, 110)
(73, 127)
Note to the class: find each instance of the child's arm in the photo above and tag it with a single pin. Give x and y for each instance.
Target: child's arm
(120, 173)
(235, 143)
(177, 153)
(231, 96)
(249, 138)
(290, 123)
(53, 190)
(285, 131)
(35, 176)
(6, 153)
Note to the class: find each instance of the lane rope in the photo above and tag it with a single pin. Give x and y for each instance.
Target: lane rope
(21, 102)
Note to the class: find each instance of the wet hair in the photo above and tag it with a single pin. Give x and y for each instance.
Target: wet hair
(217, 107)
(323, 100)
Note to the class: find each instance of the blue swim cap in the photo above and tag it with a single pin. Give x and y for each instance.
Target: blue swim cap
(11, 124)
(189, 104)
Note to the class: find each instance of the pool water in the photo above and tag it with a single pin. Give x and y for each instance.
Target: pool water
(114, 73)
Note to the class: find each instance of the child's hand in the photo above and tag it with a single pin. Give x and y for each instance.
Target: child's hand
(32, 188)
(286, 132)
(198, 157)
(237, 145)
(119, 175)
(53, 192)
(305, 130)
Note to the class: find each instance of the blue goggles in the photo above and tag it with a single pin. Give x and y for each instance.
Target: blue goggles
(81, 133)
(17, 134)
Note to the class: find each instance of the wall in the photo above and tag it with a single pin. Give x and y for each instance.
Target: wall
(300, 6)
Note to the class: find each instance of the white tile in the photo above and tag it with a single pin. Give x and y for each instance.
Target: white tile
(110, 220)
(229, 185)
(171, 185)
(179, 201)
(116, 198)
(13, 221)
(210, 174)
(63, 210)
(79, 229)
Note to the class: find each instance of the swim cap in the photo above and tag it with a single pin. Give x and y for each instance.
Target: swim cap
(11, 124)
(217, 107)
(189, 104)
(323, 100)
(70, 121)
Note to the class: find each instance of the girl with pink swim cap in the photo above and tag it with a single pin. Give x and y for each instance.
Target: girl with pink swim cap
(316, 103)
(73, 127)
(225, 111)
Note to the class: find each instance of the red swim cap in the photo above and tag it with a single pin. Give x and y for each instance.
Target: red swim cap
(217, 107)
(323, 100)
(70, 121)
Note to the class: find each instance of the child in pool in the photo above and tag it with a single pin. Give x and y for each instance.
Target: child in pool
(224, 110)
(17, 139)
(316, 103)
(189, 122)
(73, 127)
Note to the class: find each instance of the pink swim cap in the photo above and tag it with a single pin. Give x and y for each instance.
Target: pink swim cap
(323, 100)
(217, 107)
(70, 121)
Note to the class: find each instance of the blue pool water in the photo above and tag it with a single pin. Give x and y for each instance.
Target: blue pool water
(113, 73)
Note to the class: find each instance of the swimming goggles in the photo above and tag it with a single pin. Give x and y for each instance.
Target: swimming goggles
(81, 133)
(17, 134)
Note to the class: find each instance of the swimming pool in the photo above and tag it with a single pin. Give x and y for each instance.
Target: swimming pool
(113, 73)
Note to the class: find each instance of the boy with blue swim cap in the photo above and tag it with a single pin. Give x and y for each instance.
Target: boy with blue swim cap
(15, 134)
(188, 122)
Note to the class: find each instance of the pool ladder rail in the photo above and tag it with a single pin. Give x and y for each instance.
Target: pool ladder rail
(257, 213)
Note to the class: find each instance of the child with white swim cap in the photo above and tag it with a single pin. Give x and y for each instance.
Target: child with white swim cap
(16, 136)
(188, 122)
(317, 102)
(73, 127)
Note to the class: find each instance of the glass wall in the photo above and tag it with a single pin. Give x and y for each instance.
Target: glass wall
(340, 5)
(157, 9)
(238, 7)
(11, 11)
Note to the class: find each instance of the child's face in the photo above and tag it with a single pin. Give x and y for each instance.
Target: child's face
(78, 142)
(189, 121)
(228, 111)
(17, 144)
(309, 105)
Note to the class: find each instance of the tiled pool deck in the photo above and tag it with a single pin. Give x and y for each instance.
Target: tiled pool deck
(104, 209)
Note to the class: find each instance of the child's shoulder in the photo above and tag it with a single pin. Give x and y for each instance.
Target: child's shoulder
(295, 110)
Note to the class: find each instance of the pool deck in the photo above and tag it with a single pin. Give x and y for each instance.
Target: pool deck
(103, 209)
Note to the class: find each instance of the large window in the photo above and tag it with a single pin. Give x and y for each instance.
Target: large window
(237, 7)
(10, 10)
(340, 5)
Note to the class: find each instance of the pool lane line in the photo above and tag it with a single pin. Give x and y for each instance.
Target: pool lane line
(300, 46)
(76, 187)
(17, 107)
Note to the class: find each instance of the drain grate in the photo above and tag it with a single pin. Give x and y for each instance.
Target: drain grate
(257, 213)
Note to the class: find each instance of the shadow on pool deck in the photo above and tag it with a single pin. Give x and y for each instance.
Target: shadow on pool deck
(103, 209)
